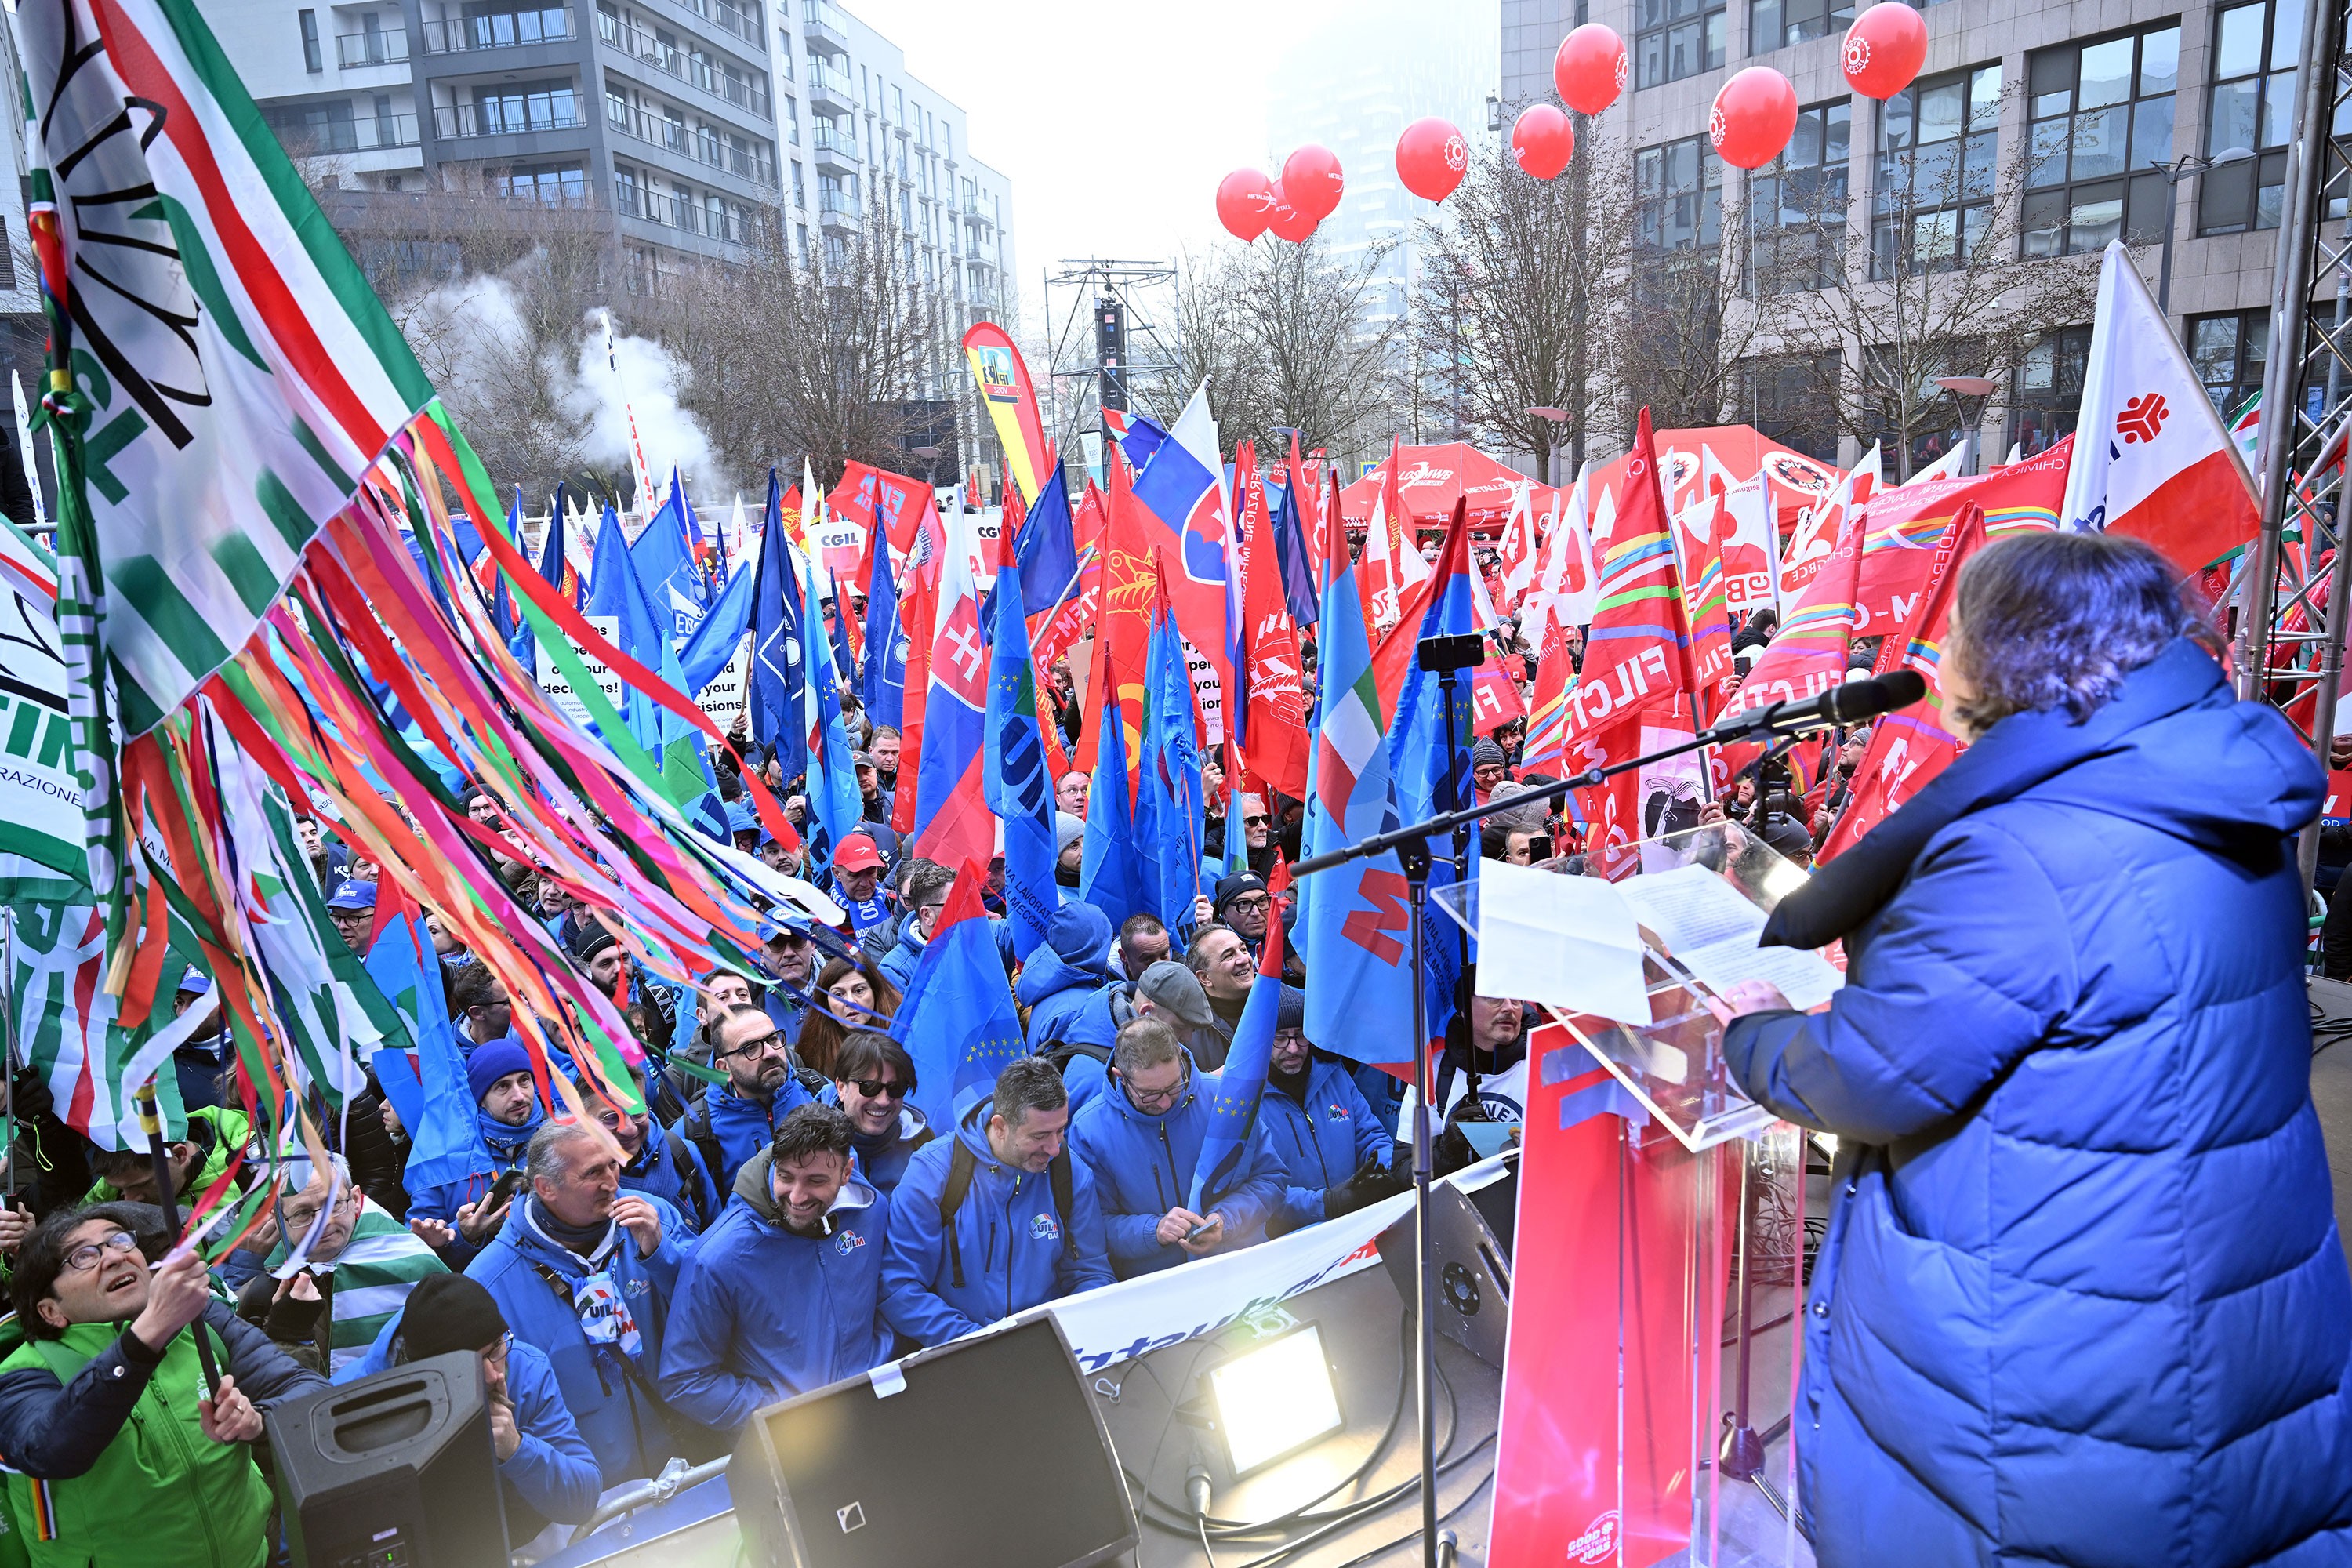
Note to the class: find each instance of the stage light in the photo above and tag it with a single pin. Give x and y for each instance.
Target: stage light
(1275, 1399)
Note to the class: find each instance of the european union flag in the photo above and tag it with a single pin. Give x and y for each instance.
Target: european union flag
(1232, 1094)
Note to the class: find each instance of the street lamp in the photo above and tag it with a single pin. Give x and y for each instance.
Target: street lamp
(1979, 387)
(1558, 418)
(2179, 169)
(931, 456)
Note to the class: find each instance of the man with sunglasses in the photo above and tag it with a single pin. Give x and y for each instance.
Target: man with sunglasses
(1140, 1142)
(115, 1451)
(872, 1078)
(735, 1119)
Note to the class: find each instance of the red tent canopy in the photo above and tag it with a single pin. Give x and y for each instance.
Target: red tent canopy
(1431, 479)
(1696, 463)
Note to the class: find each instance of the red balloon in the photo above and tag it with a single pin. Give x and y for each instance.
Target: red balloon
(1543, 141)
(1311, 175)
(1590, 69)
(1288, 223)
(1243, 204)
(1884, 49)
(1432, 158)
(1754, 116)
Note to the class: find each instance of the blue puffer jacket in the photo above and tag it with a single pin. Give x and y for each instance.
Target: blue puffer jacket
(1142, 1167)
(1097, 1022)
(551, 1471)
(666, 1167)
(2082, 1300)
(882, 1159)
(898, 965)
(1322, 1141)
(608, 1390)
(1059, 977)
(1009, 1234)
(764, 1314)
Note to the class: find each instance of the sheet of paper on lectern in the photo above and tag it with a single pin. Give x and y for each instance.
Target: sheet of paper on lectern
(1567, 942)
(1711, 927)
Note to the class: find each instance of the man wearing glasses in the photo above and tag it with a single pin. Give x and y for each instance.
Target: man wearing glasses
(352, 911)
(735, 1119)
(872, 1078)
(1141, 1141)
(116, 1452)
(358, 1266)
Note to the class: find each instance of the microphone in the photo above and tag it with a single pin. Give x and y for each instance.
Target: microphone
(1847, 703)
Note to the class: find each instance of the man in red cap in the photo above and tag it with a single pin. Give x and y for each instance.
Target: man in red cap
(857, 876)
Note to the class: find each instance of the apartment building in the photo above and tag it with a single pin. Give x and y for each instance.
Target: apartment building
(2106, 98)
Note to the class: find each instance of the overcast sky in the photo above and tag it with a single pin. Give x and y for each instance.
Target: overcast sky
(1114, 123)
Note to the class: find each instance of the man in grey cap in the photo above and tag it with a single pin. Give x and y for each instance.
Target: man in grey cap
(1069, 848)
(1487, 768)
(1167, 991)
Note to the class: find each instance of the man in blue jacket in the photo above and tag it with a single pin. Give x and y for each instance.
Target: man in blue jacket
(782, 1296)
(1333, 1150)
(734, 1120)
(1140, 1141)
(1062, 975)
(1166, 990)
(658, 1163)
(457, 1218)
(927, 894)
(873, 1077)
(545, 1467)
(998, 1219)
(586, 1273)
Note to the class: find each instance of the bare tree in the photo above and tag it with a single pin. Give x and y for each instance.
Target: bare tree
(1865, 310)
(1330, 365)
(1216, 344)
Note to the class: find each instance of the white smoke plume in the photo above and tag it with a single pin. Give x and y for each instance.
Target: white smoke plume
(648, 383)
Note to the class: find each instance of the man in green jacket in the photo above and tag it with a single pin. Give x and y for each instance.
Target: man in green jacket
(215, 1135)
(116, 1453)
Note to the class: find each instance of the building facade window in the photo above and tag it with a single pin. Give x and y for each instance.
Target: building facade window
(2049, 390)
(1932, 198)
(1787, 398)
(1798, 204)
(551, 105)
(1679, 190)
(628, 194)
(2230, 352)
(557, 185)
(497, 26)
(1676, 38)
(2252, 106)
(2099, 114)
(313, 58)
(1775, 23)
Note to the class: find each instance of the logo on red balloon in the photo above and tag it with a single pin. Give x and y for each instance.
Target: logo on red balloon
(1620, 68)
(1457, 153)
(1857, 54)
(1714, 127)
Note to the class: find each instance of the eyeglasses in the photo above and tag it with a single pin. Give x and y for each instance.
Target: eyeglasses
(1252, 903)
(86, 1257)
(879, 1088)
(1146, 1099)
(765, 1045)
(614, 1120)
(1253, 822)
(498, 1350)
(300, 1218)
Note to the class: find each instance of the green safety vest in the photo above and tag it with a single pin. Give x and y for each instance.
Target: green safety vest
(162, 1492)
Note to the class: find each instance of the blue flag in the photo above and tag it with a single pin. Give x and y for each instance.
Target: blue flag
(958, 1021)
(440, 1118)
(1013, 774)
(1426, 777)
(1290, 551)
(1230, 1094)
(1111, 874)
(1046, 548)
(664, 556)
(1144, 438)
(1170, 777)
(882, 685)
(714, 642)
(835, 802)
(638, 628)
(777, 694)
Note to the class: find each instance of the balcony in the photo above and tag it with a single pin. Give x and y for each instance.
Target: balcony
(667, 212)
(823, 27)
(458, 122)
(753, 164)
(829, 88)
(357, 51)
(331, 138)
(647, 49)
(836, 146)
(840, 209)
(743, 21)
(502, 30)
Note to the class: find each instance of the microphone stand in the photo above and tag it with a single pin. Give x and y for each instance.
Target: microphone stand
(1445, 656)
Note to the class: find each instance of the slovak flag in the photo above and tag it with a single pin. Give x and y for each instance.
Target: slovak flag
(2151, 457)
(1183, 490)
(953, 823)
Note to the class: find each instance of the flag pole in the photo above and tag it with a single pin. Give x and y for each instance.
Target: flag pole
(167, 1195)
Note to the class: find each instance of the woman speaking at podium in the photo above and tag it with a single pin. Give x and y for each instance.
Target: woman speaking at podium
(2081, 1300)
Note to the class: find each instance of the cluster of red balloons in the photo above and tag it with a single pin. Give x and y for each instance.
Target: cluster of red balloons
(1753, 118)
(1249, 205)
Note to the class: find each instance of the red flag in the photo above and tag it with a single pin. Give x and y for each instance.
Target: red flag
(1806, 659)
(1909, 748)
(919, 608)
(1275, 721)
(1638, 653)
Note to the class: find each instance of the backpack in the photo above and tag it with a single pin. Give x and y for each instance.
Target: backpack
(1062, 1053)
(962, 1164)
(691, 1180)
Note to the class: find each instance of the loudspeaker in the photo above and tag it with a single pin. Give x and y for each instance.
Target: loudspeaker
(1473, 1234)
(393, 1471)
(986, 1453)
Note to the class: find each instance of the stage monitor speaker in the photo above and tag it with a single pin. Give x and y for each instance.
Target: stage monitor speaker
(1473, 1257)
(985, 1453)
(393, 1471)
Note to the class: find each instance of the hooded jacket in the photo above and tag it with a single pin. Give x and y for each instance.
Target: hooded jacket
(666, 1167)
(500, 1148)
(882, 1157)
(2082, 1300)
(1321, 1142)
(551, 1471)
(1061, 976)
(1008, 1230)
(764, 1313)
(742, 1128)
(1097, 1023)
(608, 1388)
(1142, 1167)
